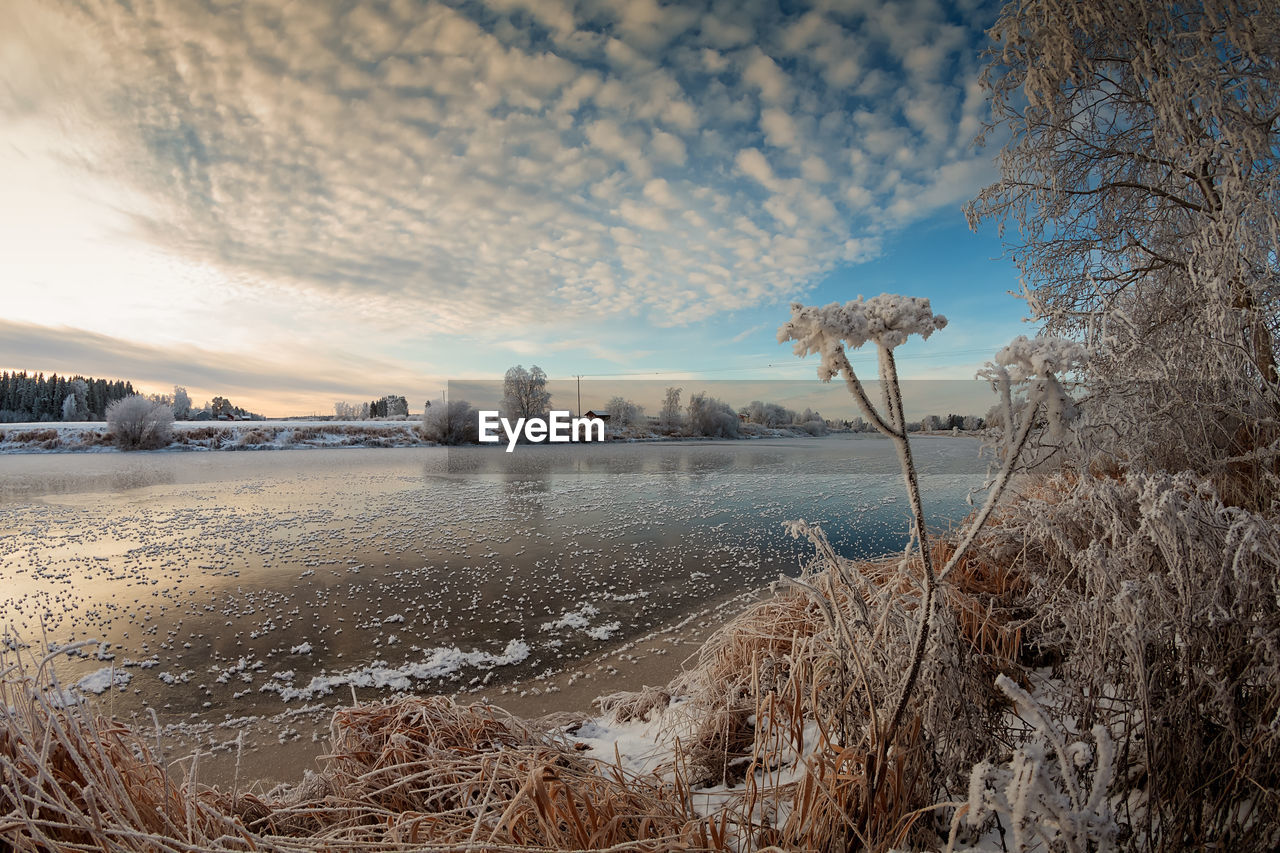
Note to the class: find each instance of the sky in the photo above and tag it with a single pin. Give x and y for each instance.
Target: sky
(290, 204)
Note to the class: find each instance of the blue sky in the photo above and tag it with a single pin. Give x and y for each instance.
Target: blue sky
(291, 204)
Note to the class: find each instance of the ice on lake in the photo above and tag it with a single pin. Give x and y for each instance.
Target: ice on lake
(233, 585)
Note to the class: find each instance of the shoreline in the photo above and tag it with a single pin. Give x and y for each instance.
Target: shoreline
(256, 754)
(206, 436)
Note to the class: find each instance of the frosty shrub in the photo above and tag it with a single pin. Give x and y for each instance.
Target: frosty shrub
(711, 417)
(137, 423)
(624, 413)
(816, 426)
(450, 423)
(771, 415)
(1160, 605)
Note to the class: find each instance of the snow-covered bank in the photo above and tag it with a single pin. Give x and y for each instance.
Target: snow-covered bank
(58, 437)
(206, 435)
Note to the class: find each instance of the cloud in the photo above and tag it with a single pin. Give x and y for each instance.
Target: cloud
(746, 333)
(763, 74)
(502, 164)
(754, 165)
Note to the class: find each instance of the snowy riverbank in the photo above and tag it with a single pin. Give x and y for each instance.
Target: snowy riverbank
(58, 437)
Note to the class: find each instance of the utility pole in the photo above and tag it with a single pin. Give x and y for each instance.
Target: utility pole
(579, 412)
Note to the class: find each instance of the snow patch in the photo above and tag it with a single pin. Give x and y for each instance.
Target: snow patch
(438, 663)
(101, 681)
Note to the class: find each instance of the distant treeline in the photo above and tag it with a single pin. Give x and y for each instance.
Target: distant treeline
(36, 397)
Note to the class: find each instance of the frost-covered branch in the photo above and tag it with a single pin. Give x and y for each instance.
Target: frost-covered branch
(1038, 794)
(1032, 365)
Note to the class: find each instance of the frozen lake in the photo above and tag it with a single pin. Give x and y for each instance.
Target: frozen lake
(233, 585)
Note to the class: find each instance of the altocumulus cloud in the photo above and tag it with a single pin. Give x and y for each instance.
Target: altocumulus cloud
(511, 161)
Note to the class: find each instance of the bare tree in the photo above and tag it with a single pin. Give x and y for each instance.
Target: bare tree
(451, 423)
(670, 419)
(525, 394)
(1142, 168)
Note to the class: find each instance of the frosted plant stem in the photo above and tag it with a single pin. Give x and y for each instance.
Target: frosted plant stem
(859, 393)
(895, 429)
(922, 537)
(996, 490)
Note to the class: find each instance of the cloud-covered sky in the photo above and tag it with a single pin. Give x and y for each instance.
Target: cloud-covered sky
(293, 203)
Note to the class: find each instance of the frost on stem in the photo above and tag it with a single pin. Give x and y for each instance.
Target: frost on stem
(1039, 795)
(1029, 369)
(887, 320)
(1031, 366)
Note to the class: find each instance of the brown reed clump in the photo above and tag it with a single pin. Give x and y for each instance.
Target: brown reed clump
(403, 775)
(70, 779)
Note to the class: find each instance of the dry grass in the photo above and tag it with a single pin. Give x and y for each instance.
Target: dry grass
(406, 775)
(37, 439)
(227, 436)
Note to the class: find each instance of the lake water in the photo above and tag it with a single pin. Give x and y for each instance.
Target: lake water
(226, 586)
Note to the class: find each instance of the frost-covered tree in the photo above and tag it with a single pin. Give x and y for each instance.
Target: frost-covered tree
(451, 423)
(138, 423)
(623, 412)
(181, 403)
(80, 389)
(69, 411)
(525, 394)
(708, 416)
(1142, 169)
(768, 414)
(811, 422)
(670, 419)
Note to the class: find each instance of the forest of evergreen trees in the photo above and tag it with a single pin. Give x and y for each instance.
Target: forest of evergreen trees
(36, 397)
